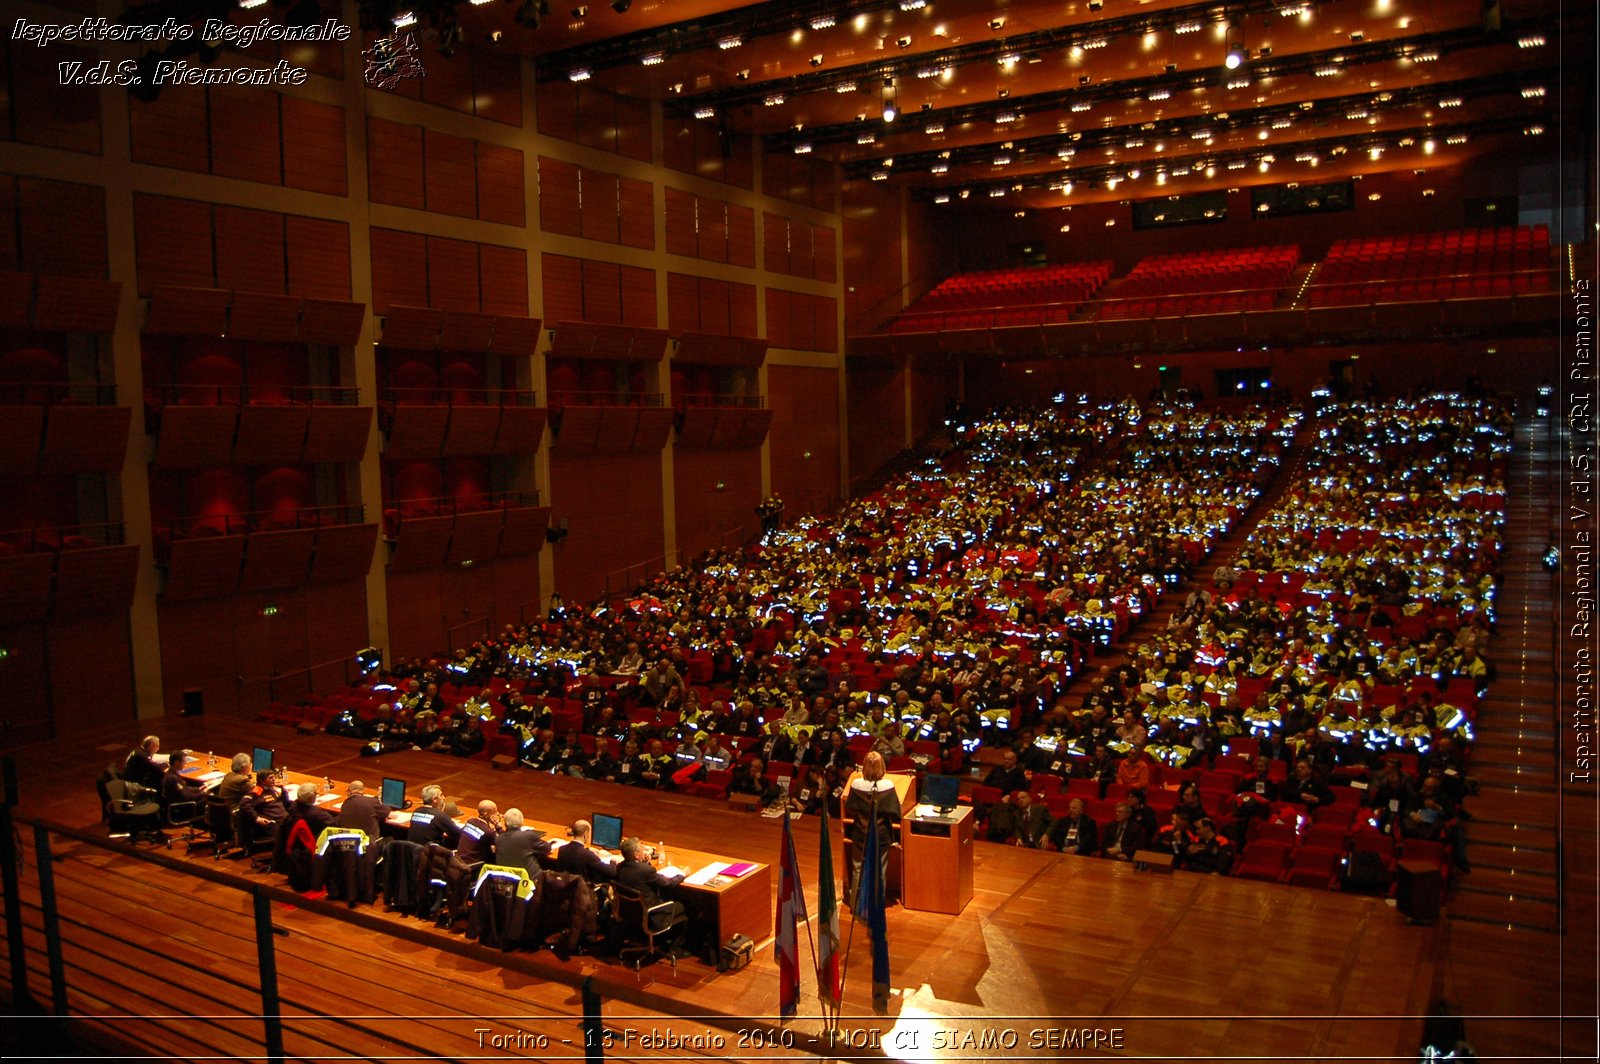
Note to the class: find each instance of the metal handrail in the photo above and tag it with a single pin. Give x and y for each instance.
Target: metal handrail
(450, 506)
(54, 537)
(52, 393)
(244, 394)
(240, 524)
(715, 399)
(445, 396)
(605, 398)
(594, 989)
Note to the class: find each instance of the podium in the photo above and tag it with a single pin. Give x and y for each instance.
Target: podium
(938, 859)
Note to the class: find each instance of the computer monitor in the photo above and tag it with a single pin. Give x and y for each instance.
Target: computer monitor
(607, 831)
(941, 791)
(261, 760)
(394, 793)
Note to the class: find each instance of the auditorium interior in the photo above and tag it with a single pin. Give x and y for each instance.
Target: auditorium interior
(1122, 412)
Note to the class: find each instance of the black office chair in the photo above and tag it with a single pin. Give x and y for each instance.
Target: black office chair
(187, 817)
(258, 845)
(634, 919)
(219, 825)
(132, 811)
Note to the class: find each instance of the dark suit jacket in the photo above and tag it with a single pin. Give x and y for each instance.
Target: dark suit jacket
(578, 859)
(234, 786)
(643, 880)
(140, 769)
(364, 812)
(1088, 834)
(521, 849)
(1124, 838)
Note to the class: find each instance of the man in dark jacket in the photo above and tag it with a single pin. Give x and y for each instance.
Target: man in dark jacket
(576, 857)
(519, 846)
(362, 811)
(637, 874)
(1075, 833)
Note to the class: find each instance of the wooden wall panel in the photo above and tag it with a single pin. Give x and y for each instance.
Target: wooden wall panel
(314, 146)
(636, 207)
(715, 495)
(825, 253)
(418, 630)
(501, 195)
(613, 506)
(450, 174)
(250, 250)
(562, 278)
(633, 129)
(713, 306)
(871, 248)
(683, 303)
(44, 111)
(638, 293)
(399, 270)
(170, 131)
(741, 309)
(503, 280)
(246, 134)
(741, 235)
(598, 191)
(804, 441)
(497, 87)
(558, 110)
(779, 331)
(452, 274)
(62, 228)
(680, 207)
(558, 197)
(318, 257)
(712, 243)
(448, 84)
(774, 242)
(877, 413)
(25, 672)
(602, 292)
(825, 324)
(10, 239)
(87, 697)
(394, 163)
(172, 239)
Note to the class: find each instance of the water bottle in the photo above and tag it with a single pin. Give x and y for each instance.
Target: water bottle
(211, 760)
(662, 851)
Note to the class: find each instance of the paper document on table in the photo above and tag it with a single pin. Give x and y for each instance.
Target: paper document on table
(400, 819)
(673, 871)
(706, 874)
(209, 776)
(324, 799)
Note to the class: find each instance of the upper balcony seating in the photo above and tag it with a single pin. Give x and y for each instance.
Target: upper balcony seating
(1460, 264)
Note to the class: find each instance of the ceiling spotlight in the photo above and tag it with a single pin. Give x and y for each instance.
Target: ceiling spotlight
(405, 20)
(248, 4)
(775, 100)
(580, 11)
(743, 75)
(941, 198)
(1235, 57)
(890, 111)
(580, 74)
(913, 5)
(705, 112)
(802, 149)
(1000, 24)
(730, 42)
(816, 60)
(904, 42)
(880, 175)
(1095, 5)
(1533, 40)
(621, 6)
(933, 127)
(845, 86)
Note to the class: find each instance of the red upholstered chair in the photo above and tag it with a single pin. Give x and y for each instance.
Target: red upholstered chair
(1263, 861)
(1314, 866)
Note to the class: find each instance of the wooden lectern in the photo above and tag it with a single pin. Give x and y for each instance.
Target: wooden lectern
(938, 859)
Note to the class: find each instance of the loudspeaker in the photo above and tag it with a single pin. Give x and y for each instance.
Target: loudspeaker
(1418, 886)
(194, 701)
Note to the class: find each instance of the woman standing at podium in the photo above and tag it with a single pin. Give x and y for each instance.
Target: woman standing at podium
(872, 806)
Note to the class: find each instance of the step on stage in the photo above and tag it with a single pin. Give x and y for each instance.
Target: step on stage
(1054, 955)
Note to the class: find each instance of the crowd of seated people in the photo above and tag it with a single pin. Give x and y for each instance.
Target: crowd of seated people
(1327, 679)
(948, 611)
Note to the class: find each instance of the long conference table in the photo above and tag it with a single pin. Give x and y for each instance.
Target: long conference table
(739, 904)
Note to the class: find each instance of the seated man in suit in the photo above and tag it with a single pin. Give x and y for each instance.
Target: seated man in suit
(175, 787)
(1123, 836)
(362, 811)
(637, 874)
(144, 765)
(520, 846)
(261, 810)
(1075, 833)
(1019, 820)
(576, 857)
(753, 781)
(236, 784)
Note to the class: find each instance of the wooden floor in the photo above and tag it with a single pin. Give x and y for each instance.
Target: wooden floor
(1181, 965)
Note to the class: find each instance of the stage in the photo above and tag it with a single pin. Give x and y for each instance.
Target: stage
(1055, 955)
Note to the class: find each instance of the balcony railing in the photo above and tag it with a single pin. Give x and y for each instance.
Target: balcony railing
(61, 537)
(605, 398)
(50, 393)
(712, 399)
(240, 524)
(460, 397)
(395, 512)
(242, 395)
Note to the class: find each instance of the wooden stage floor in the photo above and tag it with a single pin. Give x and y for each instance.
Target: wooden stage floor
(1183, 966)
